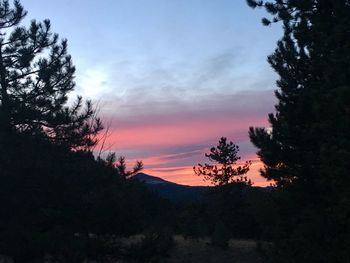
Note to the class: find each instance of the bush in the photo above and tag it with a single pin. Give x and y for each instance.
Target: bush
(25, 245)
(152, 248)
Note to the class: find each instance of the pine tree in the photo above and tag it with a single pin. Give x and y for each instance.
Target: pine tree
(307, 150)
(310, 130)
(119, 164)
(36, 74)
(225, 170)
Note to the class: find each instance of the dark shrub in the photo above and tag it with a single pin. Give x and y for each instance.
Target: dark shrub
(152, 248)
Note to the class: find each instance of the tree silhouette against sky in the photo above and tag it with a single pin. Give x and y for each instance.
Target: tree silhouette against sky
(36, 74)
(307, 151)
(225, 169)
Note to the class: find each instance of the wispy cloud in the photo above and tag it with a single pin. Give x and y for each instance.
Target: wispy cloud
(169, 113)
(197, 122)
(172, 137)
(171, 76)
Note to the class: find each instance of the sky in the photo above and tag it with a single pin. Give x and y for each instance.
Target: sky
(170, 77)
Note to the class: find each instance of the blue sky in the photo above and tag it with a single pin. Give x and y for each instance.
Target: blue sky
(153, 63)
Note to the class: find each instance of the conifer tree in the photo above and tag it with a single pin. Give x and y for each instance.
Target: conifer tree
(119, 164)
(310, 139)
(307, 150)
(36, 74)
(224, 169)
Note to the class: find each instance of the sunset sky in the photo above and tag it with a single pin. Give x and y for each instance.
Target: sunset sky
(170, 76)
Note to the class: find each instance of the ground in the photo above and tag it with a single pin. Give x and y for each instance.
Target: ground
(200, 250)
(192, 250)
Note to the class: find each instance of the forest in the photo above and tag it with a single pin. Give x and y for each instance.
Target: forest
(62, 202)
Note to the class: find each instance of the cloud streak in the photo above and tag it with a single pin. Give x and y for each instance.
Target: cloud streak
(171, 76)
(185, 175)
(171, 138)
(169, 112)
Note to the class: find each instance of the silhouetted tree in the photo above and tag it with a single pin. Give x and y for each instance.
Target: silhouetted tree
(307, 151)
(120, 165)
(225, 169)
(312, 119)
(51, 184)
(36, 73)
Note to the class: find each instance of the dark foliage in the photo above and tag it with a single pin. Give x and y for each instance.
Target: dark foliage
(153, 247)
(47, 187)
(307, 150)
(245, 211)
(53, 192)
(36, 74)
(221, 236)
(56, 245)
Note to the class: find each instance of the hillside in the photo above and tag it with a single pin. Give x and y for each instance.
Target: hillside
(185, 193)
(172, 191)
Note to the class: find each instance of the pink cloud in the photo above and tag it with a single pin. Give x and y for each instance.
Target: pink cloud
(180, 131)
(170, 139)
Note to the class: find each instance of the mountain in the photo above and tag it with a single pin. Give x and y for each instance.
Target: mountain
(172, 191)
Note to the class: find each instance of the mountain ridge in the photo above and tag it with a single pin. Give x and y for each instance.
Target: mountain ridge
(172, 191)
(184, 193)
